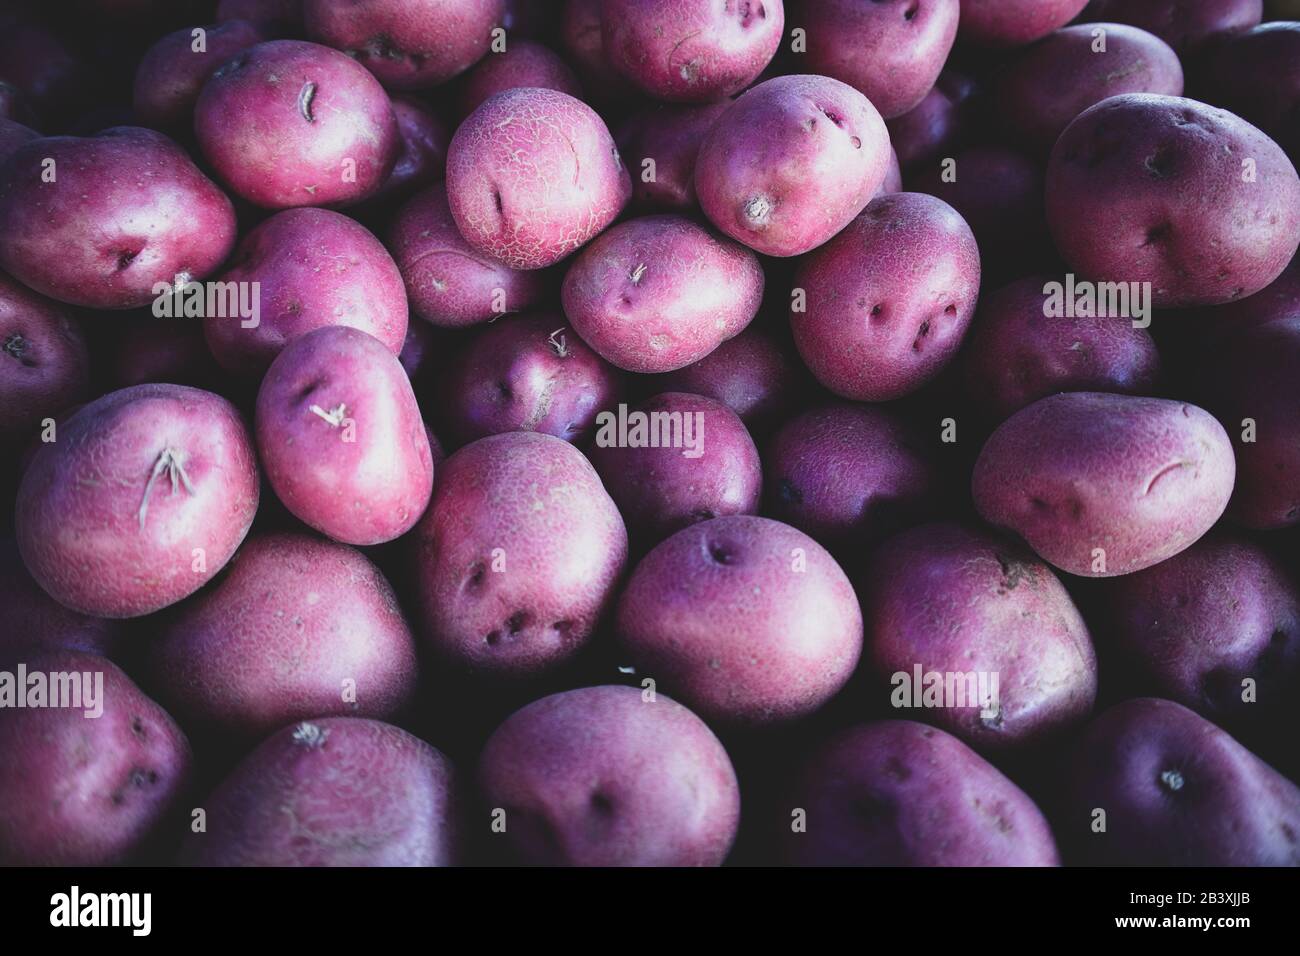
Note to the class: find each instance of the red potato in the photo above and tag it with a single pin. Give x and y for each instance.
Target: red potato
(128, 211)
(143, 498)
(887, 301)
(891, 51)
(288, 123)
(659, 145)
(1014, 22)
(745, 619)
(533, 175)
(581, 35)
(422, 156)
(893, 182)
(448, 283)
(44, 364)
(1186, 25)
(658, 293)
(684, 51)
(407, 44)
(603, 777)
(340, 436)
(899, 793)
(530, 374)
(1256, 75)
(13, 135)
(1102, 485)
(517, 555)
(1055, 80)
(296, 626)
(421, 352)
(314, 269)
(354, 792)
(522, 63)
(36, 623)
(822, 154)
(940, 122)
(172, 71)
(961, 602)
(147, 349)
(87, 791)
(1199, 203)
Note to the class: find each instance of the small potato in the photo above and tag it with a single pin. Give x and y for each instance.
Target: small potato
(170, 74)
(745, 619)
(791, 162)
(522, 64)
(658, 293)
(1256, 75)
(36, 623)
(422, 155)
(44, 363)
(1102, 484)
(940, 122)
(337, 791)
(899, 793)
(603, 777)
(1014, 22)
(888, 300)
(581, 36)
(1186, 25)
(1180, 211)
(668, 137)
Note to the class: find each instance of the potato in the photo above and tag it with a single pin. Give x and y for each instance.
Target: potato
(36, 623)
(1186, 25)
(341, 437)
(660, 145)
(1101, 484)
(1014, 22)
(891, 52)
(314, 269)
(533, 175)
(288, 123)
(893, 181)
(170, 74)
(86, 791)
(282, 14)
(448, 283)
(888, 300)
(791, 162)
(937, 124)
(899, 793)
(147, 349)
(127, 211)
(1256, 75)
(517, 555)
(1016, 354)
(1183, 212)
(144, 497)
(296, 627)
(1175, 790)
(687, 51)
(521, 64)
(337, 791)
(958, 602)
(581, 36)
(530, 374)
(44, 364)
(658, 293)
(422, 153)
(1055, 80)
(601, 776)
(744, 619)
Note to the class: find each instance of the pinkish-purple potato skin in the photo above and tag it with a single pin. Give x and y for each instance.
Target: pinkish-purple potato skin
(1016, 355)
(288, 123)
(792, 186)
(1186, 25)
(44, 363)
(1177, 791)
(420, 351)
(848, 474)
(1180, 213)
(670, 135)
(522, 63)
(530, 374)
(448, 283)
(657, 293)
(602, 777)
(1055, 80)
(891, 51)
(517, 555)
(36, 623)
(341, 438)
(128, 210)
(958, 600)
(407, 44)
(662, 490)
(293, 619)
(893, 181)
(690, 52)
(533, 175)
(171, 73)
(1257, 76)
(745, 619)
(82, 498)
(889, 299)
(79, 791)
(581, 36)
(13, 135)
(1006, 23)
(316, 269)
(936, 124)
(422, 154)
(336, 791)
(935, 803)
(1139, 479)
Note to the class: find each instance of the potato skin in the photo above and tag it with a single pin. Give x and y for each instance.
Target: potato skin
(523, 63)
(78, 791)
(602, 777)
(1177, 791)
(334, 791)
(1139, 478)
(1014, 22)
(935, 125)
(36, 623)
(44, 363)
(1186, 25)
(670, 135)
(935, 802)
(1256, 75)
(97, 521)
(171, 72)
(1180, 215)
